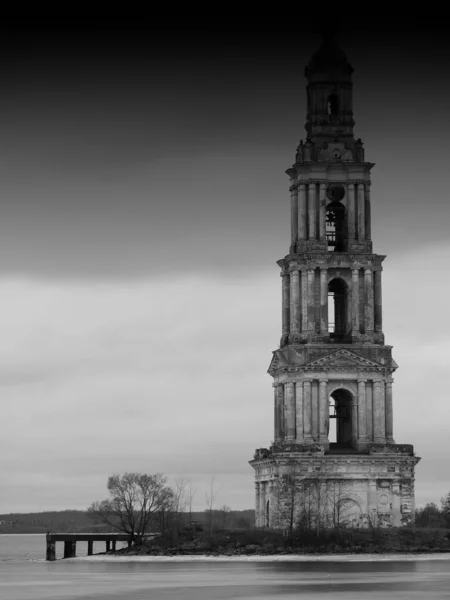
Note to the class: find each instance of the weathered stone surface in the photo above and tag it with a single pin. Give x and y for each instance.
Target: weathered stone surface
(407, 449)
(309, 449)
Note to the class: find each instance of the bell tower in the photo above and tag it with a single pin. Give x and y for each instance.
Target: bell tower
(333, 385)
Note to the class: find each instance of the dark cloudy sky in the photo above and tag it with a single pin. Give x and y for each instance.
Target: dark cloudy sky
(143, 206)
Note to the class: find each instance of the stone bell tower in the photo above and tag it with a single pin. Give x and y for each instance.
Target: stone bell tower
(332, 373)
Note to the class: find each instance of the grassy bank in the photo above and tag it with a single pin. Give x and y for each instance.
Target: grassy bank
(232, 543)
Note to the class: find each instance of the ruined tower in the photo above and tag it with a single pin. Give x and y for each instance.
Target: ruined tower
(333, 386)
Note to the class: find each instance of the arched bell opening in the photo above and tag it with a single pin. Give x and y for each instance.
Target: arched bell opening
(340, 419)
(338, 303)
(335, 227)
(333, 107)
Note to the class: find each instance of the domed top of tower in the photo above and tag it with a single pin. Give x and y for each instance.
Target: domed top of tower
(329, 117)
(329, 62)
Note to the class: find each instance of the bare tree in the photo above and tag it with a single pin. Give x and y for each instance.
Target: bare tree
(306, 519)
(224, 512)
(135, 499)
(309, 504)
(190, 494)
(180, 501)
(210, 497)
(339, 502)
(286, 499)
(164, 515)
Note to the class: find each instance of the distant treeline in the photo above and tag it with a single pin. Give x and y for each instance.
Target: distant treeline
(79, 520)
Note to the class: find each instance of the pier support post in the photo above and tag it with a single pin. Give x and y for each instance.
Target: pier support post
(114, 545)
(70, 549)
(51, 551)
(90, 547)
(108, 546)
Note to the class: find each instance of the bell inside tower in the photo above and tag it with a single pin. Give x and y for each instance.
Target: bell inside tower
(333, 106)
(335, 220)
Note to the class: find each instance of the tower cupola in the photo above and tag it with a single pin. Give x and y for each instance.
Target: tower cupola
(329, 94)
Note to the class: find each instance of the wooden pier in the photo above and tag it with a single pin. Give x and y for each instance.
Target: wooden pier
(70, 542)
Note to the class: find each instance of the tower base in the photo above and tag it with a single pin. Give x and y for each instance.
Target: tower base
(335, 487)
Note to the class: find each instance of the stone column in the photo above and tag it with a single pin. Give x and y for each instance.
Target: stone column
(378, 312)
(362, 412)
(311, 301)
(290, 411)
(299, 411)
(354, 421)
(372, 502)
(276, 415)
(389, 413)
(257, 505)
(355, 300)
(361, 213)
(323, 411)
(302, 212)
(304, 303)
(285, 310)
(369, 298)
(307, 411)
(368, 213)
(312, 211)
(294, 217)
(315, 409)
(322, 212)
(351, 211)
(262, 503)
(51, 550)
(271, 512)
(369, 411)
(266, 497)
(396, 505)
(280, 404)
(324, 301)
(295, 305)
(378, 413)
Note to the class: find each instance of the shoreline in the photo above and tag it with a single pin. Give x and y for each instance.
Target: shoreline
(269, 558)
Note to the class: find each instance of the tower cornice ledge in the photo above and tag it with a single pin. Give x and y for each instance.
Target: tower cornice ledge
(345, 259)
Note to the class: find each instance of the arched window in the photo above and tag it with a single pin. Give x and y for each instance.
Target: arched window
(335, 226)
(337, 308)
(333, 105)
(340, 419)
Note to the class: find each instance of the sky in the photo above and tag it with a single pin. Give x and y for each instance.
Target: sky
(143, 206)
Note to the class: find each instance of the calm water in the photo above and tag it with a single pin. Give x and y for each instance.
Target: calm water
(24, 574)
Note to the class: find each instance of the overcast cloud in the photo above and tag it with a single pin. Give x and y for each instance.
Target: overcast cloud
(143, 206)
(169, 375)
